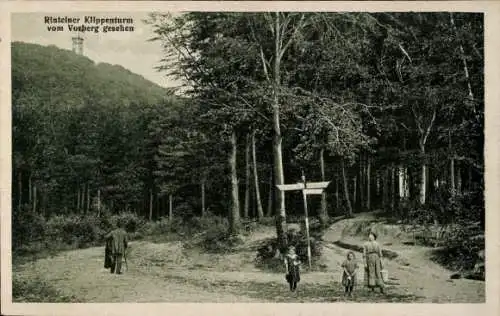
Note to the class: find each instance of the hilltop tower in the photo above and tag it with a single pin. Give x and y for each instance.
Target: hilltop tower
(77, 44)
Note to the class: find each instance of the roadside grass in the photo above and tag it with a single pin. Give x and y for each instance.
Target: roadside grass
(36, 290)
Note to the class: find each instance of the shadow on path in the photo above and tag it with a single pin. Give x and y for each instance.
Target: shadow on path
(311, 292)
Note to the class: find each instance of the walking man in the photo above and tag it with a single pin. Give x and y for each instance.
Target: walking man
(118, 245)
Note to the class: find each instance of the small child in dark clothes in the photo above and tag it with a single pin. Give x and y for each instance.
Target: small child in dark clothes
(292, 268)
(350, 267)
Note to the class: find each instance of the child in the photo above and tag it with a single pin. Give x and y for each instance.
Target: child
(292, 267)
(350, 267)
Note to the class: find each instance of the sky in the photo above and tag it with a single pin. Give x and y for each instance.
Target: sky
(128, 49)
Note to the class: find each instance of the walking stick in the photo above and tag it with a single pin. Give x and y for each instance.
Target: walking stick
(125, 258)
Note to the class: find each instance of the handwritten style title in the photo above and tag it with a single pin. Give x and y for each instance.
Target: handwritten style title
(89, 24)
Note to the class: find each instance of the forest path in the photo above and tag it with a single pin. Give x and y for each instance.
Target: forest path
(412, 271)
(170, 272)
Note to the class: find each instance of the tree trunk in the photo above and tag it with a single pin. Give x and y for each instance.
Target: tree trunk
(98, 202)
(423, 183)
(260, 211)
(247, 177)
(88, 199)
(82, 197)
(406, 183)
(270, 196)
(405, 179)
(156, 207)
(401, 183)
(170, 208)
(20, 189)
(234, 217)
(384, 189)
(346, 189)
(203, 197)
(452, 163)
(281, 228)
(150, 204)
(323, 217)
(337, 201)
(464, 60)
(34, 198)
(251, 203)
(459, 179)
(393, 187)
(30, 189)
(78, 199)
(452, 176)
(41, 203)
(469, 178)
(362, 180)
(354, 191)
(368, 187)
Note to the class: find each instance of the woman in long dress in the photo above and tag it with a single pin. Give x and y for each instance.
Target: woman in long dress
(372, 253)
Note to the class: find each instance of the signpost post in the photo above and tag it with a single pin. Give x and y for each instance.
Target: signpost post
(311, 188)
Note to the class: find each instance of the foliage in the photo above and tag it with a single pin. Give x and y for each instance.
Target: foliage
(374, 93)
(215, 235)
(36, 290)
(268, 249)
(27, 227)
(72, 136)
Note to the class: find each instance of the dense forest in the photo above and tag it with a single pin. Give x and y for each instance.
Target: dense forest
(389, 107)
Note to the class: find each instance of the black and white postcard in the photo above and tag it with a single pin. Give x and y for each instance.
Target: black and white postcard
(249, 152)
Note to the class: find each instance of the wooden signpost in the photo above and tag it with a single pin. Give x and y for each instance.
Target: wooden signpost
(310, 188)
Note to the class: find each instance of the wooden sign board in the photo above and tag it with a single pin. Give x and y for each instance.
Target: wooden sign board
(313, 191)
(317, 185)
(290, 187)
(300, 186)
(310, 188)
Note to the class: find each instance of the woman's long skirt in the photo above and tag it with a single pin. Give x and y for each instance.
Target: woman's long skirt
(374, 271)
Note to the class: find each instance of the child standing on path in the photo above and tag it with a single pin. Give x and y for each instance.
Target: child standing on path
(350, 267)
(292, 267)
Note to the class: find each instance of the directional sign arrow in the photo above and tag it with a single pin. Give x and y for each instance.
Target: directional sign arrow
(290, 187)
(310, 188)
(313, 191)
(317, 185)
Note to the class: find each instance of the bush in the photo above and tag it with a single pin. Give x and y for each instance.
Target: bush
(27, 226)
(217, 237)
(268, 250)
(268, 221)
(35, 290)
(206, 222)
(32, 233)
(463, 247)
(461, 222)
(130, 221)
(73, 230)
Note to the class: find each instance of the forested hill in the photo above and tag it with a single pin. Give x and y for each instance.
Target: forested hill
(70, 79)
(80, 130)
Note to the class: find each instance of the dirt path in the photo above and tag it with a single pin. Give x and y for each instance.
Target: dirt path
(171, 273)
(413, 271)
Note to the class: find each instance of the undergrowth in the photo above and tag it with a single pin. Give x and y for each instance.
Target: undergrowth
(36, 237)
(269, 254)
(36, 290)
